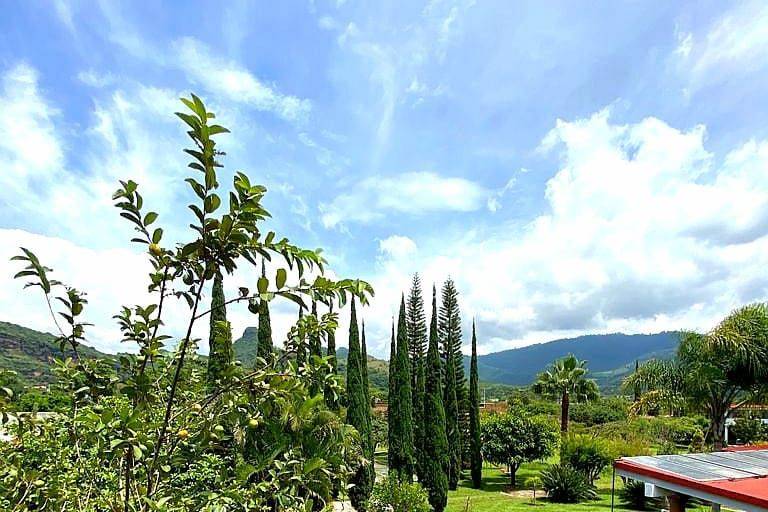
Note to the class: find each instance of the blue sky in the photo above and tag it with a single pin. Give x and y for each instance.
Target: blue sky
(575, 169)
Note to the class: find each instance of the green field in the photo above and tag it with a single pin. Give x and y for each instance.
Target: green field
(496, 482)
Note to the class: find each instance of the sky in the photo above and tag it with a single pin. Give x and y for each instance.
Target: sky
(574, 168)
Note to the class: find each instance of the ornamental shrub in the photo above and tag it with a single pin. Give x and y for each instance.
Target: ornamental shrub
(394, 495)
(587, 455)
(566, 485)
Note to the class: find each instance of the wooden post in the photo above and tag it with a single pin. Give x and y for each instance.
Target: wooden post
(677, 502)
(715, 507)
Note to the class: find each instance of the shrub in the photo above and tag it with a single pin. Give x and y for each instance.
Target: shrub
(392, 495)
(599, 412)
(587, 455)
(633, 495)
(566, 485)
(747, 431)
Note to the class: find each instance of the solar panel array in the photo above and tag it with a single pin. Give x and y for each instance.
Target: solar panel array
(709, 466)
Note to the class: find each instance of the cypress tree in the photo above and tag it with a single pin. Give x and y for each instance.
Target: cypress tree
(392, 407)
(330, 398)
(369, 414)
(476, 457)
(450, 334)
(452, 431)
(417, 342)
(264, 333)
(435, 458)
(220, 335)
(357, 413)
(402, 451)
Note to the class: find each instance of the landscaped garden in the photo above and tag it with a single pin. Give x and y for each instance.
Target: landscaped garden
(163, 429)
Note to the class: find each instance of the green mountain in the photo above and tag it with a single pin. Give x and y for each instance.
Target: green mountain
(30, 353)
(610, 357)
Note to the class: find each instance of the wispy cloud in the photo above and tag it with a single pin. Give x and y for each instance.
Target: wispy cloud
(410, 193)
(222, 76)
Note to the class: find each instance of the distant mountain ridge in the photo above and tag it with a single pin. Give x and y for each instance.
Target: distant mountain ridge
(30, 353)
(609, 356)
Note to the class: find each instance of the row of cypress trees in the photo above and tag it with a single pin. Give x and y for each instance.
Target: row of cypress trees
(432, 413)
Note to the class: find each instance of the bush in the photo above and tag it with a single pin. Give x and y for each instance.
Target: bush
(587, 455)
(632, 494)
(653, 430)
(747, 431)
(566, 485)
(599, 412)
(392, 495)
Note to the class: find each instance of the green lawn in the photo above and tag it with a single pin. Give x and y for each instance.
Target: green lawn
(491, 499)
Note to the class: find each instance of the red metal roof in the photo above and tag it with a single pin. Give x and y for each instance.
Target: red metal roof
(750, 490)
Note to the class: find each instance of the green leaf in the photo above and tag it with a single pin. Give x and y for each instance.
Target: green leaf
(149, 218)
(262, 284)
(281, 277)
(157, 235)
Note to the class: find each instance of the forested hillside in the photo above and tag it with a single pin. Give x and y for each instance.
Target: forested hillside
(29, 353)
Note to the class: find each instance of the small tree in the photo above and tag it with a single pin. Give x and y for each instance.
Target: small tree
(566, 380)
(513, 438)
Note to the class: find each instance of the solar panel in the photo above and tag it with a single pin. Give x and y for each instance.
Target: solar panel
(732, 463)
(757, 454)
(751, 464)
(719, 472)
(675, 468)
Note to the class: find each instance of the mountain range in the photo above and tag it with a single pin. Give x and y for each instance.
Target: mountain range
(610, 356)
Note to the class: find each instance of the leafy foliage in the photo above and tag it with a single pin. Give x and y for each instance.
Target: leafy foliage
(416, 324)
(566, 485)
(149, 434)
(513, 438)
(394, 494)
(586, 454)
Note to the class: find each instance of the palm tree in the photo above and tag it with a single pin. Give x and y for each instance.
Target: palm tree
(566, 380)
(715, 373)
(658, 384)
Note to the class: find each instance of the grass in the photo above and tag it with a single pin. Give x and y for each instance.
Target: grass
(490, 498)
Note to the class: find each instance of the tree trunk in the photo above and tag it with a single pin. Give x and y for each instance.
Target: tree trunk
(512, 474)
(564, 406)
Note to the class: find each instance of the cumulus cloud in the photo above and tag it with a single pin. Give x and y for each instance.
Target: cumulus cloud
(645, 229)
(412, 193)
(221, 76)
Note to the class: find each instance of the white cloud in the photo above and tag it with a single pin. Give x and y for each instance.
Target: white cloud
(397, 246)
(221, 76)
(412, 193)
(736, 42)
(93, 78)
(645, 230)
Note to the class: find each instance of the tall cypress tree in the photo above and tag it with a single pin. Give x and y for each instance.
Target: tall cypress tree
(392, 407)
(402, 426)
(369, 413)
(475, 454)
(330, 398)
(450, 335)
(357, 414)
(452, 430)
(220, 336)
(264, 333)
(435, 459)
(417, 342)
